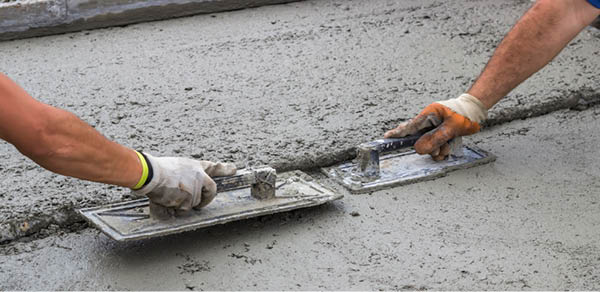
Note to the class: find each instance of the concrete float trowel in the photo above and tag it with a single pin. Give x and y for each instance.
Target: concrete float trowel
(249, 193)
(385, 163)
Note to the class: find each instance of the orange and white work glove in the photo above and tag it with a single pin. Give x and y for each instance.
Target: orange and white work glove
(450, 118)
(175, 185)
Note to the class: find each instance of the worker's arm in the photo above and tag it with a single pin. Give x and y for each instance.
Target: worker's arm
(61, 142)
(532, 43)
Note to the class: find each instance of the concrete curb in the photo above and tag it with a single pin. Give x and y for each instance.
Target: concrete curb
(30, 18)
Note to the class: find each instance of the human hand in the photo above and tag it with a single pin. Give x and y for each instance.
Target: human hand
(180, 184)
(449, 119)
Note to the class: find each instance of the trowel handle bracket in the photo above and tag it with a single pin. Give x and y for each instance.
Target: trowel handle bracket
(368, 153)
(261, 181)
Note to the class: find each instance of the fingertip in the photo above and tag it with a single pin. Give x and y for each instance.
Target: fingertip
(438, 157)
(445, 150)
(227, 168)
(219, 169)
(388, 134)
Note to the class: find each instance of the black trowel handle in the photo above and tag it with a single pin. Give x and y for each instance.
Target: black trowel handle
(391, 144)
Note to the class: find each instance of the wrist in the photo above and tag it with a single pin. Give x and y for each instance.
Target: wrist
(487, 99)
(467, 106)
(147, 171)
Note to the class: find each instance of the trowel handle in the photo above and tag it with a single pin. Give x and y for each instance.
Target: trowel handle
(261, 181)
(391, 144)
(368, 153)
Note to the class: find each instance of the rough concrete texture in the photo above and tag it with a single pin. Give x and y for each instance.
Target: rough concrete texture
(296, 86)
(46, 17)
(528, 221)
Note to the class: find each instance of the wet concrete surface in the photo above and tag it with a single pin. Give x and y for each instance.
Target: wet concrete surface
(527, 221)
(297, 86)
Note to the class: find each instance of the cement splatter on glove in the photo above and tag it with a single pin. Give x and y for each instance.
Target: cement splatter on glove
(175, 185)
(451, 118)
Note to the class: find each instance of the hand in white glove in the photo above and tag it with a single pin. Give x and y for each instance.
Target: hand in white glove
(179, 184)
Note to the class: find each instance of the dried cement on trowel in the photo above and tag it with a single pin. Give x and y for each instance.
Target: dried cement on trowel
(131, 220)
(406, 167)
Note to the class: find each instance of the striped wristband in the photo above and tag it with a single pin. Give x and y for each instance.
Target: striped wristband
(147, 172)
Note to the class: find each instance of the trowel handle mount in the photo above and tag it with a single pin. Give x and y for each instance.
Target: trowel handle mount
(261, 180)
(368, 153)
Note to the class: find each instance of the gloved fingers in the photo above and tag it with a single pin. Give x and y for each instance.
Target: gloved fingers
(438, 158)
(433, 140)
(441, 153)
(404, 129)
(161, 212)
(209, 192)
(218, 168)
(426, 119)
(174, 197)
(445, 150)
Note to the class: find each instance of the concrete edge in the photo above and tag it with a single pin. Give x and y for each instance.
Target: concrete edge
(32, 18)
(66, 216)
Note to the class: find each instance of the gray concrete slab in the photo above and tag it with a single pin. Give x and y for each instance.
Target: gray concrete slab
(296, 86)
(528, 221)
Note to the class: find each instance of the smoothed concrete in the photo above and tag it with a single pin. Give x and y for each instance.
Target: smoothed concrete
(529, 221)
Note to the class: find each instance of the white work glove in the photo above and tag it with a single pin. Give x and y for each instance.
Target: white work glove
(450, 119)
(180, 184)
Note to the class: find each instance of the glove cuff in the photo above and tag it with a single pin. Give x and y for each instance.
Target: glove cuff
(467, 106)
(153, 177)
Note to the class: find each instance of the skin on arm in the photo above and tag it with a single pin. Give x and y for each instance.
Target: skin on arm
(531, 44)
(61, 142)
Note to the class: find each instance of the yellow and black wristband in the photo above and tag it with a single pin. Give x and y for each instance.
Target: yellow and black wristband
(147, 172)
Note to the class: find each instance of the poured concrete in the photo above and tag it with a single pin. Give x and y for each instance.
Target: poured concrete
(296, 86)
(528, 221)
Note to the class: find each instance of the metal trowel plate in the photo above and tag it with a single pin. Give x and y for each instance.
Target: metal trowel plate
(405, 168)
(131, 220)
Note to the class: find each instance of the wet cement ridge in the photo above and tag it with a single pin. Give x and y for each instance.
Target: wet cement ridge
(66, 216)
(580, 100)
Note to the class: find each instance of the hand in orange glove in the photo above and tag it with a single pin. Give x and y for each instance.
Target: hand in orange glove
(451, 118)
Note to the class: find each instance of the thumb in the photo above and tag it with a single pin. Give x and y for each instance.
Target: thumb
(213, 169)
(434, 139)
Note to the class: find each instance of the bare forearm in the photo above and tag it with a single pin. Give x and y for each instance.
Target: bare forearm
(76, 149)
(61, 142)
(532, 43)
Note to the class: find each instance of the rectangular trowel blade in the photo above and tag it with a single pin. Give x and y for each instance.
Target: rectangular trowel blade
(374, 169)
(132, 221)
